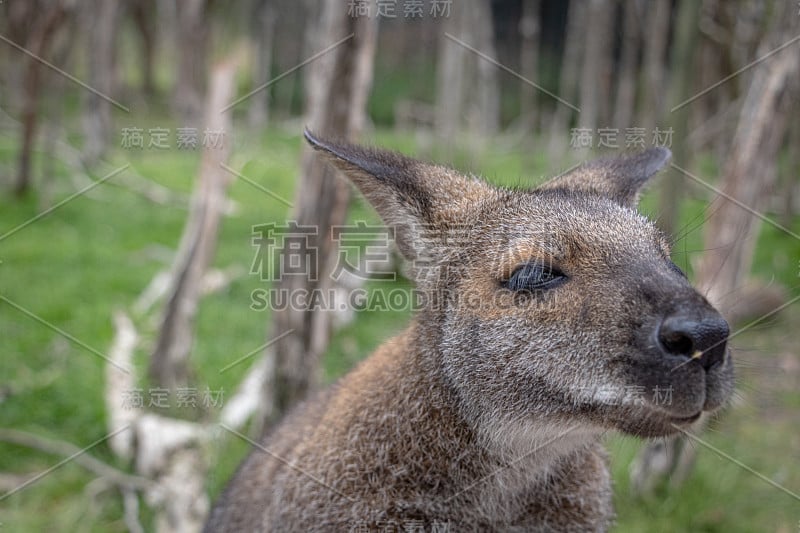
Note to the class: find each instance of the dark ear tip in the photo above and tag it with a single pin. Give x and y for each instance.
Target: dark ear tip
(311, 138)
(335, 148)
(662, 154)
(655, 159)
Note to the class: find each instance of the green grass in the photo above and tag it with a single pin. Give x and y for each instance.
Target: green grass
(96, 253)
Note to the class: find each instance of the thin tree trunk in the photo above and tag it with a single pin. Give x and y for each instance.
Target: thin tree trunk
(568, 79)
(790, 178)
(144, 13)
(595, 89)
(679, 89)
(192, 45)
(338, 86)
(485, 119)
(264, 28)
(717, 23)
(54, 111)
(292, 51)
(16, 26)
(749, 175)
(530, 31)
(169, 363)
(99, 20)
(625, 103)
(41, 36)
(655, 52)
(450, 80)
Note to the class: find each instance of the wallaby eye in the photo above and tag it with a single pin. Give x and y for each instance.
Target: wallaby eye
(534, 276)
(676, 268)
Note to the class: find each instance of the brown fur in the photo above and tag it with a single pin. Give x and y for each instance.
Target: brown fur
(476, 417)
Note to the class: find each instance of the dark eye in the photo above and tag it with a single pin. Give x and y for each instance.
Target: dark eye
(675, 268)
(534, 276)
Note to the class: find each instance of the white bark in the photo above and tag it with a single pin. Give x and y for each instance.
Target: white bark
(120, 380)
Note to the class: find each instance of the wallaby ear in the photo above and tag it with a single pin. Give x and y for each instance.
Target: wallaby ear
(618, 178)
(409, 195)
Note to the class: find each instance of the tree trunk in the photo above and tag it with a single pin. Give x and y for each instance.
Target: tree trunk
(16, 26)
(192, 45)
(169, 363)
(568, 80)
(450, 79)
(790, 177)
(99, 21)
(625, 103)
(265, 17)
(53, 109)
(749, 175)
(717, 23)
(337, 90)
(595, 89)
(468, 85)
(678, 90)
(529, 30)
(485, 111)
(655, 53)
(144, 13)
(292, 51)
(41, 35)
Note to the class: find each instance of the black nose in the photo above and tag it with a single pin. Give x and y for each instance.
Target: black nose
(690, 337)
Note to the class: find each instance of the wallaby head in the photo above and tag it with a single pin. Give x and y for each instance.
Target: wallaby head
(552, 306)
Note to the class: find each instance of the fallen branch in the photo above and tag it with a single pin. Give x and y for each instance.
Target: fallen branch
(79, 456)
(171, 452)
(249, 396)
(71, 157)
(33, 381)
(9, 482)
(213, 281)
(130, 503)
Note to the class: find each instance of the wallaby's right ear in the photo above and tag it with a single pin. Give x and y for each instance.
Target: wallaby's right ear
(619, 178)
(409, 195)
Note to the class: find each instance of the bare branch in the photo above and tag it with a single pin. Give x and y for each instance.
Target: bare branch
(67, 449)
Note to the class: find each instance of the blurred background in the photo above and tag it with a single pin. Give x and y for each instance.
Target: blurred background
(151, 153)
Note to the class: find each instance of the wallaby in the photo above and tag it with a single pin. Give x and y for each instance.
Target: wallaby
(556, 316)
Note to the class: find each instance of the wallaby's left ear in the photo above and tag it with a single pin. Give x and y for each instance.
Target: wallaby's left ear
(423, 202)
(619, 178)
